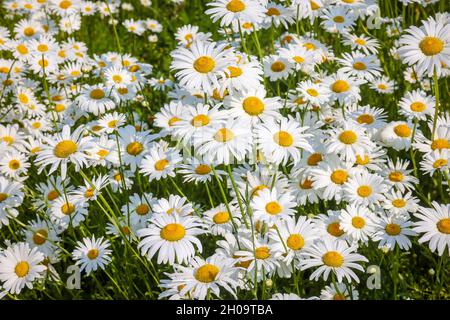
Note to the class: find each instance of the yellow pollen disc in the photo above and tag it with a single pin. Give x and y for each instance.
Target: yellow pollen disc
(339, 176)
(202, 169)
(256, 190)
(444, 225)
(299, 101)
(417, 106)
(431, 46)
(60, 108)
(221, 217)
(262, 253)
(102, 153)
(333, 259)
(338, 297)
(287, 39)
(358, 222)
(340, 86)
(359, 66)
(253, 106)
(23, 98)
(298, 59)
(223, 135)
(295, 242)
(43, 63)
(200, 120)
(3, 196)
(118, 177)
(364, 191)
(312, 92)
(22, 269)
(42, 48)
(173, 232)
(67, 208)
(65, 148)
(29, 32)
(273, 12)
(173, 120)
(234, 71)
(36, 125)
(348, 137)
(382, 86)
(283, 138)
(160, 165)
(440, 144)
(135, 148)
(392, 229)
(247, 25)
(277, 66)
(334, 229)
(306, 185)
(75, 73)
(338, 19)
(362, 161)
(40, 236)
(52, 195)
(399, 203)
(396, 176)
(273, 208)
(142, 209)
(97, 94)
(236, 6)
(314, 5)
(361, 42)
(35, 150)
(314, 159)
(204, 64)
(365, 119)
(22, 49)
(117, 78)
(112, 124)
(89, 193)
(439, 163)
(309, 46)
(14, 164)
(65, 4)
(402, 130)
(8, 139)
(207, 273)
(126, 230)
(92, 254)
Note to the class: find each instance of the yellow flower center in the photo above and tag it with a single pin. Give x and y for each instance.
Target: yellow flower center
(206, 273)
(117, 78)
(314, 5)
(358, 222)
(398, 203)
(223, 135)
(382, 86)
(89, 193)
(402, 130)
(65, 148)
(439, 163)
(29, 32)
(22, 49)
(40, 236)
(234, 72)
(52, 195)
(173, 232)
(431, 46)
(339, 176)
(92, 254)
(142, 209)
(60, 108)
(277, 66)
(253, 106)
(365, 118)
(273, 12)
(339, 297)
(65, 4)
(334, 229)
(360, 41)
(202, 169)
(338, 19)
(22, 269)
(160, 165)
(312, 92)
(364, 191)
(444, 225)
(396, 176)
(200, 120)
(362, 161)
(359, 66)
(204, 64)
(440, 144)
(283, 138)
(173, 120)
(306, 185)
(295, 242)
(236, 6)
(392, 229)
(14, 164)
(340, 86)
(333, 259)
(135, 148)
(273, 208)
(102, 153)
(417, 106)
(298, 59)
(256, 190)
(67, 209)
(309, 46)
(221, 217)
(348, 137)
(314, 159)
(97, 94)
(262, 253)
(3, 196)
(23, 98)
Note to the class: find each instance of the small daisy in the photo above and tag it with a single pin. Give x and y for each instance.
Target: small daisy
(383, 85)
(417, 105)
(92, 254)
(392, 230)
(339, 291)
(396, 134)
(220, 220)
(160, 163)
(270, 205)
(276, 67)
(399, 176)
(436, 162)
(365, 189)
(400, 204)
(357, 222)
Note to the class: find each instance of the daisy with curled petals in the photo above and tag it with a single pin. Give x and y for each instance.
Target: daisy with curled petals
(270, 205)
(92, 254)
(245, 74)
(277, 67)
(332, 257)
(357, 223)
(173, 236)
(436, 162)
(361, 43)
(371, 118)
(427, 47)
(397, 135)
(434, 225)
(224, 143)
(253, 105)
(339, 291)
(303, 191)
(220, 220)
(91, 189)
(168, 116)
(329, 226)
(392, 230)
(202, 277)
(134, 145)
(417, 105)
(20, 266)
(95, 99)
(441, 139)
(236, 12)
(64, 148)
(316, 94)
(201, 66)
(365, 189)
(283, 139)
(399, 176)
(400, 204)
(198, 171)
(160, 163)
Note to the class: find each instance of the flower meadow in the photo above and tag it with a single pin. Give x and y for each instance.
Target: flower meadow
(227, 149)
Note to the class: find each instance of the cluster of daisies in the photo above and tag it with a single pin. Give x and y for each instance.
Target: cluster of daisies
(294, 173)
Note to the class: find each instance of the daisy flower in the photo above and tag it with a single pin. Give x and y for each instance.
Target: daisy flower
(344, 88)
(20, 266)
(68, 212)
(365, 189)
(339, 291)
(362, 43)
(270, 205)
(134, 145)
(276, 15)
(277, 67)
(160, 163)
(357, 223)
(366, 67)
(396, 134)
(441, 139)
(332, 256)
(42, 235)
(383, 85)
(138, 210)
(198, 171)
(338, 19)
(14, 164)
(91, 254)
(392, 230)
(235, 12)
(399, 176)
(173, 236)
(315, 94)
(174, 205)
(328, 226)
(436, 161)
(417, 105)
(95, 99)
(400, 204)
(220, 220)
